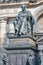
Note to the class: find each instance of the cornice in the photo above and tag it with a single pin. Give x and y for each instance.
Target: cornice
(31, 5)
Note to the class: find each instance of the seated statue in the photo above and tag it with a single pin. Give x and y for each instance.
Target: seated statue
(17, 24)
(22, 24)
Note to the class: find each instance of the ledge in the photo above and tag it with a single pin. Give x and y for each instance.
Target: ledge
(13, 36)
(38, 34)
(20, 3)
(35, 4)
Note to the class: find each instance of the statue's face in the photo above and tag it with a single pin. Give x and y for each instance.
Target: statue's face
(23, 7)
(31, 58)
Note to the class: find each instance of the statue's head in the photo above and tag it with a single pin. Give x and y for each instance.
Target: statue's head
(23, 7)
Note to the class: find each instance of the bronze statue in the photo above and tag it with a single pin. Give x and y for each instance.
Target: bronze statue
(23, 23)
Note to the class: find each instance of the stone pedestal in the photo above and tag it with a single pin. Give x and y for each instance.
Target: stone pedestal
(20, 51)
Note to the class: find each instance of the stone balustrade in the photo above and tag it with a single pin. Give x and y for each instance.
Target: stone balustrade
(8, 1)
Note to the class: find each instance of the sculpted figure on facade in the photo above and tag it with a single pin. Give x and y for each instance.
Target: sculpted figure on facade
(23, 22)
(4, 60)
(17, 24)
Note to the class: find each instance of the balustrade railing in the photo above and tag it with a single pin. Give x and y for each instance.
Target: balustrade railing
(13, 1)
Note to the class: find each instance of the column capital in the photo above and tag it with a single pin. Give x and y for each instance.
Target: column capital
(3, 20)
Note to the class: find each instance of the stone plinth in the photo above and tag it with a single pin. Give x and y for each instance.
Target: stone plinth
(19, 50)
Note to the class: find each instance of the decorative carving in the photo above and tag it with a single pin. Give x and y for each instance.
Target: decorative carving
(4, 59)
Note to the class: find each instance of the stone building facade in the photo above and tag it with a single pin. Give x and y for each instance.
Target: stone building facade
(8, 12)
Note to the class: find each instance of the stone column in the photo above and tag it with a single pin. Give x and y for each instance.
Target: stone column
(11, 28)
(3, 31)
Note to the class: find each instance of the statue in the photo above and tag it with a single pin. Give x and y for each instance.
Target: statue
(23, 23)
(4, 59)
(17, 25)
(37, 58)
(27, 63)
(31, 59)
